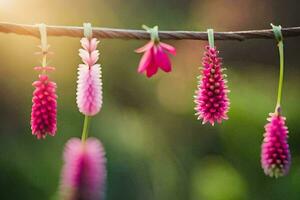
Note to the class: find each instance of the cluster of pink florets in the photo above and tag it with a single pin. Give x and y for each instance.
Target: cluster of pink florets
(275, 154)
(84, 173)
(212, 103)
(43, 114)
(89, 84)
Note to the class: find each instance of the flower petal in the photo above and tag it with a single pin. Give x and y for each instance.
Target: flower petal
(153, 65)
(85, 43)
(145, 61)
(85, 56)
(93, 44)
(163, 60)
(146, 47)
(151, 70)
(170, 49)
(94, 56)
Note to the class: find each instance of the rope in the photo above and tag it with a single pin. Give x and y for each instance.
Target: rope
(72, 31)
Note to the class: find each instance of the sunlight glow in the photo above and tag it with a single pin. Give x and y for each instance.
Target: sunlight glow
(5, 4)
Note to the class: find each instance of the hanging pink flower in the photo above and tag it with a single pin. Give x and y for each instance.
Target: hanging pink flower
(275, 153)
(89, 84)
(155, 55)
(83, 173)
(43, 113)
(212, 103)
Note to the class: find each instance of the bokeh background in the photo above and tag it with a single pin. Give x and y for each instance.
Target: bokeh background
(156, 149)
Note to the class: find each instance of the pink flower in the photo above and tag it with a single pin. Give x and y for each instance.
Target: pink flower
(43, 113)
(275, 153)
(155, 56)
(83, 173)
(89, 84)
(212, 103)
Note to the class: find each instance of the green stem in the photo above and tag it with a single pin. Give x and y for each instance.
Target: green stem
(281, 72)
(85, 131)
(279, 38)
(210, 34)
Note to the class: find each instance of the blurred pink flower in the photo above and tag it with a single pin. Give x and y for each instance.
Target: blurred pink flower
(89, 84)
(83, 173)
(155, 56)
(275, 153)
(212, 103)
(43, 112)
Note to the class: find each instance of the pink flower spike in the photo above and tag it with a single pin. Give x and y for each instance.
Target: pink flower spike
(275, 153)
(84, 171)
(155, 56)
(89, 83)
(212, 103)
(89, 90)
(43, 113)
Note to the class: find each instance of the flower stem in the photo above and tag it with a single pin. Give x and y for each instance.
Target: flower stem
(210, 34)
(281, 72)
(44, 61)
(85, 131)
(44, 44)
(279, 38)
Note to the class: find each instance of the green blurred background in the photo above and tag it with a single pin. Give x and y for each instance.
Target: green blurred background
(156, 149)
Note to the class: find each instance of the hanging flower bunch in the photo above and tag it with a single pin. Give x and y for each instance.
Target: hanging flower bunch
(84, 172)
(89, 87)
(155, 54)
(212, 103)
(275, 153)
(43, 112)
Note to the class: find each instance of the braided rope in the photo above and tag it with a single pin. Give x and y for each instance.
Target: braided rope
(72, 31)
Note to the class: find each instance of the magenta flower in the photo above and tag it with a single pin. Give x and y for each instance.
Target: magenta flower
(43, 113)
(275, 153)
(89, 87)
(84, 173)
(155, 55)
(212, 103)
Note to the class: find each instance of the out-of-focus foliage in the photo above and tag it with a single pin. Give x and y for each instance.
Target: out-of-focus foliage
(156, 148)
